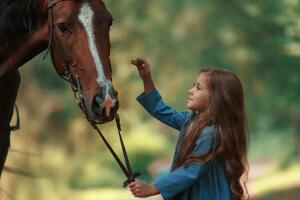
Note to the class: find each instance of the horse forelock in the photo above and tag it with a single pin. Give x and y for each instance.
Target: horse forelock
(18, 17)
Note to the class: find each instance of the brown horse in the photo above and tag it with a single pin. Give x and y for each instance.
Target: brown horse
(77, 34)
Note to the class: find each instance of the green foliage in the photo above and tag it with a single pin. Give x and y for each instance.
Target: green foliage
(46, 76)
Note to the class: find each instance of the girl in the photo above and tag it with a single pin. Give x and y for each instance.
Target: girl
(210, 161)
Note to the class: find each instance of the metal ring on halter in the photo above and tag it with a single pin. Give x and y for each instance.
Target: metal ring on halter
(78, 100)
(78, 85)
(73, 86)
(77, 90)
(67, 74)
(81, 100)
(66, 77)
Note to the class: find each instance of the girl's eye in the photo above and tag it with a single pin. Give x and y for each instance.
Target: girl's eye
(197, 86)
(63, 28)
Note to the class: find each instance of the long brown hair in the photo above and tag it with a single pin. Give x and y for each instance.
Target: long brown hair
(226, 111)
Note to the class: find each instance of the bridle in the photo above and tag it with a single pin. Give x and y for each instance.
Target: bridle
(78, 95)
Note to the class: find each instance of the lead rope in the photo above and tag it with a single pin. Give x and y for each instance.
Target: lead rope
(126, 170)
(133, 175)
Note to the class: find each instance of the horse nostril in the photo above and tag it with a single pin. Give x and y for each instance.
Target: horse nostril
(97, 105)
(116, 94)
(104, 106)
(99, 101)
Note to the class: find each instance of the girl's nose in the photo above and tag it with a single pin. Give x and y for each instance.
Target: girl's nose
(191, 91)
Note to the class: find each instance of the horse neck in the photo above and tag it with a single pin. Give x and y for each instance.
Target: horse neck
(15, 54)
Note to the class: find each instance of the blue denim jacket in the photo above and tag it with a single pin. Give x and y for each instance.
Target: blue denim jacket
(195, 181)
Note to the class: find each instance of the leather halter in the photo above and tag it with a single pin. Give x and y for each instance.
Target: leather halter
(76, 87)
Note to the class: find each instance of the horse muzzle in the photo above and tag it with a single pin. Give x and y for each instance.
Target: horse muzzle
(105, 106)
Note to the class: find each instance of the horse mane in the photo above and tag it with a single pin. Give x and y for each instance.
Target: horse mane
(18, 18)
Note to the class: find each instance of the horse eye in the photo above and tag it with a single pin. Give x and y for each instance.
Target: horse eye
(63, 28)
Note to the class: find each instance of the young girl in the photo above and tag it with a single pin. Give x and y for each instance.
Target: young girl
(210, 161)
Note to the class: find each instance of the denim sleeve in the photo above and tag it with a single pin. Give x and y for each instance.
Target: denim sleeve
(184, 176)
(153, 103)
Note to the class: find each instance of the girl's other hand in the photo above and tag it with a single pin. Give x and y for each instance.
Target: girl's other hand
(140, 189)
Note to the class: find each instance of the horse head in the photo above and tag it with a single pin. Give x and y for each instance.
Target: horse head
(80, 50)
(77, 34)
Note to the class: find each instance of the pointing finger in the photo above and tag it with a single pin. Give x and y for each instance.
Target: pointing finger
(134, 62)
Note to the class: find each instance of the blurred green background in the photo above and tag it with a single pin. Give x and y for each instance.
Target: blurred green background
(259, 40)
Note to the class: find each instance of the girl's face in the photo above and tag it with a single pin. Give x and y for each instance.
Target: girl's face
(198, 98)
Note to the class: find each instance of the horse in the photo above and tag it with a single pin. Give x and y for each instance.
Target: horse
(76, 32)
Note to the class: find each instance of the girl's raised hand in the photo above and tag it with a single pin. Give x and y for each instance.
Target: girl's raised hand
(143, 68)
